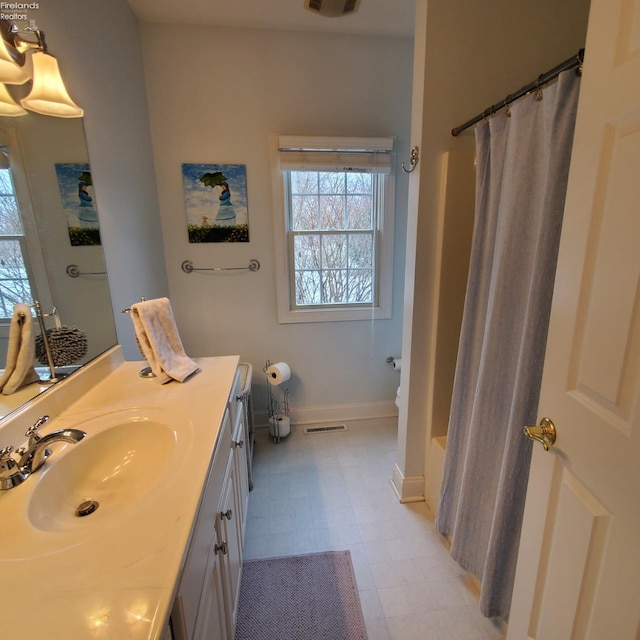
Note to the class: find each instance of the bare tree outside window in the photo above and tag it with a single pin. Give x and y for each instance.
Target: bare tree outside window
(332, 220)
(14, 280)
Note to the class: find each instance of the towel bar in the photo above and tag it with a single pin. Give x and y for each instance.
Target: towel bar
(74, 272)
(128, 309)
(187, 267)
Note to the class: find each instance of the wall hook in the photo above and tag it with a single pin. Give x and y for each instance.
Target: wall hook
(413, 160)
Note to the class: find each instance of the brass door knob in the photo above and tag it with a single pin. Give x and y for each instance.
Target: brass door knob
(545, 433)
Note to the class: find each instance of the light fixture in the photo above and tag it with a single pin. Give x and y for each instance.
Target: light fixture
(14, 67)
(8, 106)
(48, 94)
(22, 60)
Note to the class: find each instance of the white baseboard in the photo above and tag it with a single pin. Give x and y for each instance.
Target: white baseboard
(408, 489)
(332, 414)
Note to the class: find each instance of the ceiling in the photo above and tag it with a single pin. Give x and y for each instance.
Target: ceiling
(374, 17)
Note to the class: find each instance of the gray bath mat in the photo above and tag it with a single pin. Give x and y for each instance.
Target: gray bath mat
(304, 597)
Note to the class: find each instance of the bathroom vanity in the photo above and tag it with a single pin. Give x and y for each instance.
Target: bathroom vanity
(160, 556)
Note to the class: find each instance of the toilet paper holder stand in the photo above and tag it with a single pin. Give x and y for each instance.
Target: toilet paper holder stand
(278, 408)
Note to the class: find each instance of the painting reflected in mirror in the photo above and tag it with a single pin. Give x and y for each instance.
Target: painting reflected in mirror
(50, 251)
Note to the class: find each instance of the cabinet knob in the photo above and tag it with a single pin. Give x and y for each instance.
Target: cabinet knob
(228, 514)
(220, 548)
(238, 443)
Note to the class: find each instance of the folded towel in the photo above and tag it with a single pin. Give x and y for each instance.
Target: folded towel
(159, 340)
(21, 352)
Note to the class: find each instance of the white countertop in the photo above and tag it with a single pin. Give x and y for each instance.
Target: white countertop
(12, 402)
(119, 581)
(25, 394)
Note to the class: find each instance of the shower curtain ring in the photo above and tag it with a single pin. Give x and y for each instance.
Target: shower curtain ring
(413, 160)
(538, 95)
(507, 111)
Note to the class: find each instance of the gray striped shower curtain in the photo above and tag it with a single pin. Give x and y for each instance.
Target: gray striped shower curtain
(521, 178)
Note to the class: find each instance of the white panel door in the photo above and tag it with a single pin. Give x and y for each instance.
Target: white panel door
(578, 574)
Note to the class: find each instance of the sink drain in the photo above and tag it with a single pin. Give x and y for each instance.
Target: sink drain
(87, 508)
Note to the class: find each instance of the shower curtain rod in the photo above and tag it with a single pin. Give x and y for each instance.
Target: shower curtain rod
(545, 78)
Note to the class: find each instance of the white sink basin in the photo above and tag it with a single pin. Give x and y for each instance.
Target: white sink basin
(124, 468)
(111, 471)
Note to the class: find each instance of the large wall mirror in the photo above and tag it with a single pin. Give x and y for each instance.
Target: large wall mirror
(50, 219)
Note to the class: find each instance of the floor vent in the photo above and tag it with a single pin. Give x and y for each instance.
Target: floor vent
(334, 427)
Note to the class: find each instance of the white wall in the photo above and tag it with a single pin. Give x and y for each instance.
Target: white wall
(215, 96)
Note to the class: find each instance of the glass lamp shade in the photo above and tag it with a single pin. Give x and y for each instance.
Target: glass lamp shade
(8, 107)
(10, 71)
(48, 94)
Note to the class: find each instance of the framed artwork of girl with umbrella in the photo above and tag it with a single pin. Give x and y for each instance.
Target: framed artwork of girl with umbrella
(216, 202)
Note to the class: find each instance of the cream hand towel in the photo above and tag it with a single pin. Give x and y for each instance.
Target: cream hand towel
(160, 342)
(21, 352)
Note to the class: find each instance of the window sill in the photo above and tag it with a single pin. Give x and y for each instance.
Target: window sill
(332, 315)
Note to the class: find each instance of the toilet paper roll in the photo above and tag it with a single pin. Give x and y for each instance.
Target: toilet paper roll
(397, 364)
(279, 427)
(278, 373)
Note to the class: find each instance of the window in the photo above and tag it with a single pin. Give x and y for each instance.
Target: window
(14, 280)
(334, 225)
(23, 275)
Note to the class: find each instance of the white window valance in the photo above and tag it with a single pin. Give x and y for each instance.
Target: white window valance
(361, 155)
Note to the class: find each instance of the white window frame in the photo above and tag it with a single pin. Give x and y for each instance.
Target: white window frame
(304, 153)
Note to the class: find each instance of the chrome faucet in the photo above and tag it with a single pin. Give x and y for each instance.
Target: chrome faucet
(33, 454)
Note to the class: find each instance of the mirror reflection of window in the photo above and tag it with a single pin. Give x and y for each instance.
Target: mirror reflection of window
(23, 276)
(15, 284)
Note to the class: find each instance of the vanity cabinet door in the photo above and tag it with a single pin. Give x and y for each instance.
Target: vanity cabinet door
(212, 616)
(229, 530)
(207, 598)
(186, 608)
(239, 444)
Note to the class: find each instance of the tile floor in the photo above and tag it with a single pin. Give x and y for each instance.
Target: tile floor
(316, 492)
